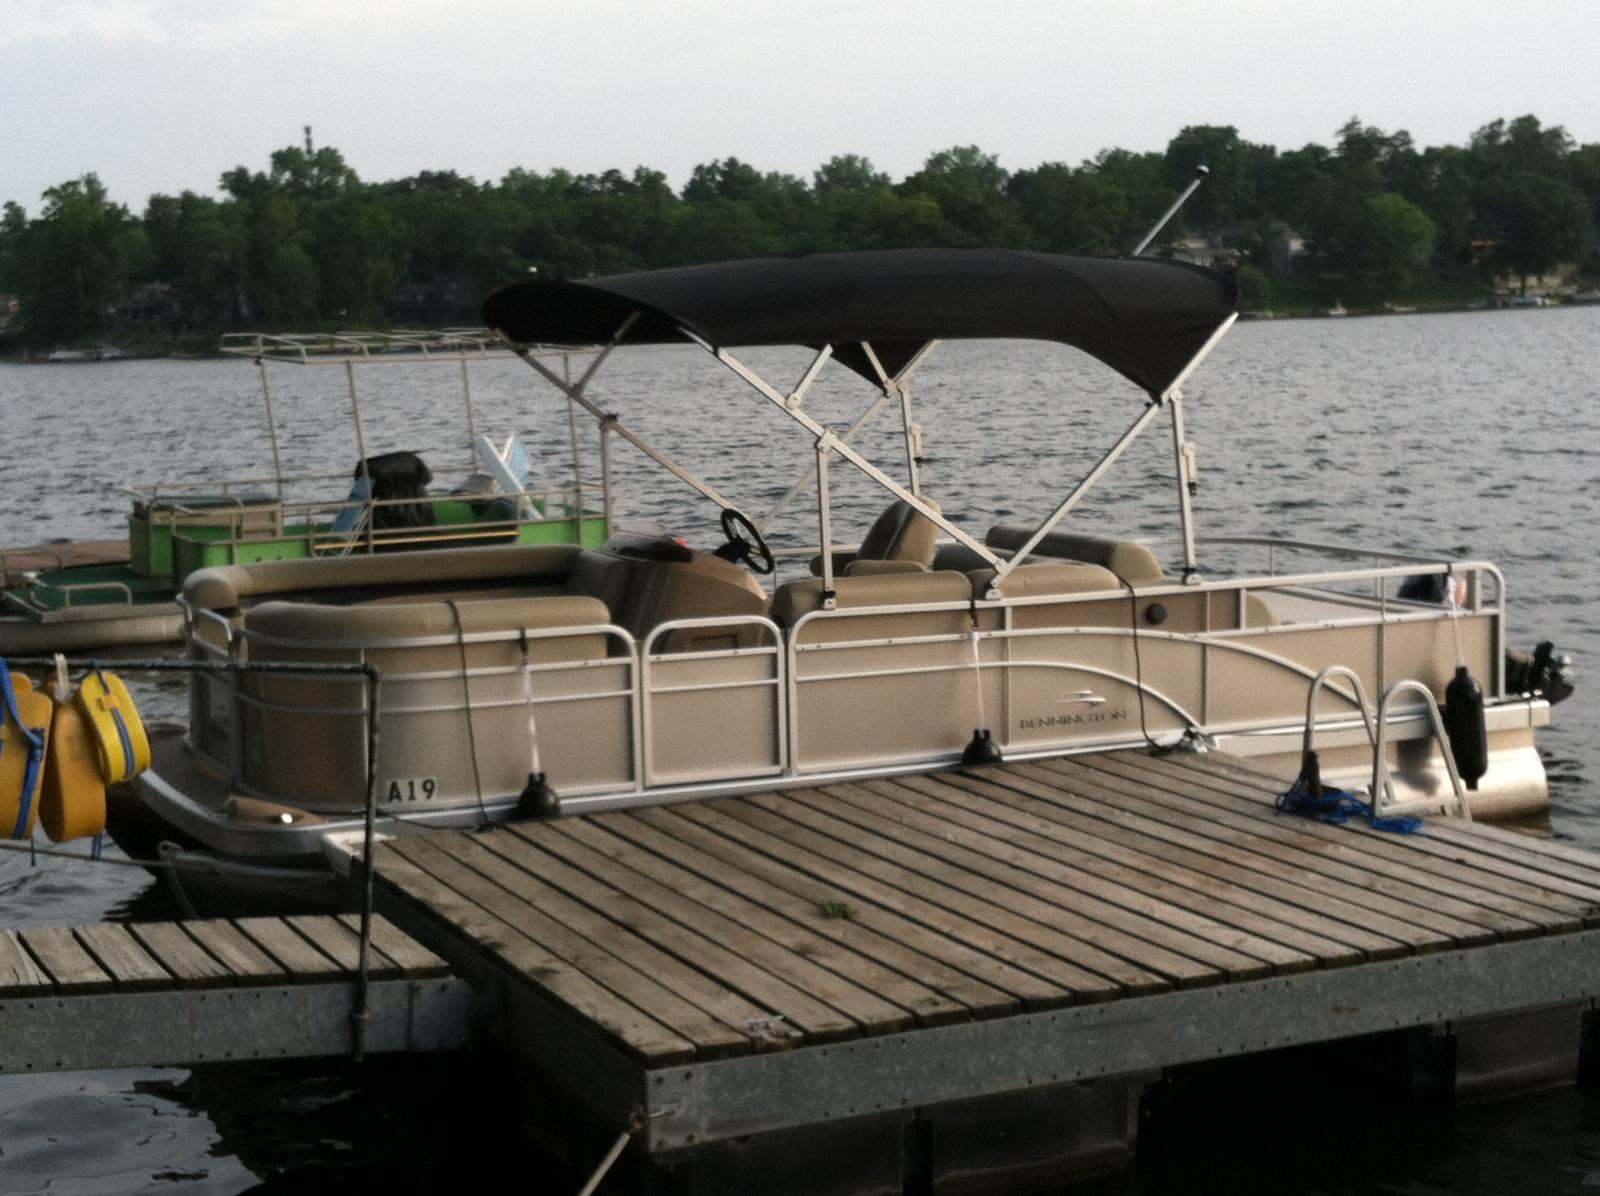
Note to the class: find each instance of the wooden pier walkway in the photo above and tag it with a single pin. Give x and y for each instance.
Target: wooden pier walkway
(170, 993)
(789, 959)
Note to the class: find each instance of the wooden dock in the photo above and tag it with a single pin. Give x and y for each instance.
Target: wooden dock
(172, 993)
(822, 957)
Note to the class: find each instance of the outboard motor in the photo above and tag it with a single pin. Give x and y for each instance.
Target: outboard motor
(394, 476)
(1464, 724)
(1547, 673)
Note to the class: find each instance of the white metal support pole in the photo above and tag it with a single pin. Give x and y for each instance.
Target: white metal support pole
(825, 445)
(472, 427)
(575, 392)
(850, 454)
(810, 473)
(577, 457)
(272, 425)
(361, 452)
(913, 438)
(1186, 482)
(1152, 409)
(849, 434)
(606, 424)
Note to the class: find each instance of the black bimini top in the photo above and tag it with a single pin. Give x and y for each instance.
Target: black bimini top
(1145, 318)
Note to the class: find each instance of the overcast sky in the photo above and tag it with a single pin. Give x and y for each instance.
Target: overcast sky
(164, 95)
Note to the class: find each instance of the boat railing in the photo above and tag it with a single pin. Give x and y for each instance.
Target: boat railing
(675, 715)
(71, 592)
(1274, 549)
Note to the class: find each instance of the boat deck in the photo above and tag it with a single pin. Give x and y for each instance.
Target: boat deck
(788, 958)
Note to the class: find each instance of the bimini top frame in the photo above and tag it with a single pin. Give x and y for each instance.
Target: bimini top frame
(459, 346)
(879, 313)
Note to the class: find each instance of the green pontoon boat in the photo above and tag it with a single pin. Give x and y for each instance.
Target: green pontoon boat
(58, 598)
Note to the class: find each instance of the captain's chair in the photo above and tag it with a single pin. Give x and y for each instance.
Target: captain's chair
(900, 540)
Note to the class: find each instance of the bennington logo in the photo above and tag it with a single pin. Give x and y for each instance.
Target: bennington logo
(1073, 720)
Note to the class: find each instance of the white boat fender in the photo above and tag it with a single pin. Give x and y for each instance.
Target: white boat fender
(1464, 725)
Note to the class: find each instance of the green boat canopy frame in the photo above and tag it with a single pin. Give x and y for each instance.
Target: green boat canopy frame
(1145, 318)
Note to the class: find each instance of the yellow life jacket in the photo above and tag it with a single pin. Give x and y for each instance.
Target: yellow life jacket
(72, 800)
(24, 734)
(120, 741)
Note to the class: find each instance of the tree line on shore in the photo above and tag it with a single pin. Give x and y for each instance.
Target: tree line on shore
(307, 242)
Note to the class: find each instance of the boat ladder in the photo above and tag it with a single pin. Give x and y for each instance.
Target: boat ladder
(1384, 802)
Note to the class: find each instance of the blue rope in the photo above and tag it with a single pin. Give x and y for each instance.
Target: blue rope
(1338, 806)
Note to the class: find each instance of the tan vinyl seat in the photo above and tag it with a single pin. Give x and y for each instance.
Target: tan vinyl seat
(901, 537)
(536, 566)
(796, 599)
(645, 581)
(1129, 560)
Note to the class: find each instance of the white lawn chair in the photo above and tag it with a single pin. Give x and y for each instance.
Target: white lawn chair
(511, 467)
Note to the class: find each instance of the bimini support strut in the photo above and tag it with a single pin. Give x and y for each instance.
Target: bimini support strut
(1183, 464)
(1003, 568)
(819, 430)
(899, 381)
(609, 422)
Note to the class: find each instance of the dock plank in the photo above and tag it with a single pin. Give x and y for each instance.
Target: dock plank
(341, 944)
(129, 965)
(1479, 855)
(705, 1009)
(1457, 872)
(678, 895)
(736, 961)
(19, 975)
(1388, 860)
(1073, 820)
(1240, 953)
(235, 950)
(1013, 834)
(63, 958)
(968, 978)
(191, 965)
(522, 949)
(929, 927)
(985, 925)
(899, 992)
(414, 960)
(300, 959)
(1398, 908)
(1178, 959)
(912, 981)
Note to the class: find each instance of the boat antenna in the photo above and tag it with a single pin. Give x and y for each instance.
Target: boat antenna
(1200, 173)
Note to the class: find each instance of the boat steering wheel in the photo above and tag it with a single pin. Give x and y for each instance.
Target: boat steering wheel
(744, 542)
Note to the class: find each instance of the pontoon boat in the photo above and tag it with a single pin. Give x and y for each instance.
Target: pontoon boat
(177, 528)
(540, 680)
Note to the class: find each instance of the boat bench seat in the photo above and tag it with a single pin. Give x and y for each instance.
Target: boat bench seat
(796, 599)
(309, 630)
(1129, 560)
(227, 587)
(1048, 577)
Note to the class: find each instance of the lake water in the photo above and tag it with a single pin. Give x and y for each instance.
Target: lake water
(1471, 435)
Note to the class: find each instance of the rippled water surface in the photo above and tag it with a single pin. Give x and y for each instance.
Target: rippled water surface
(1472, 435)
